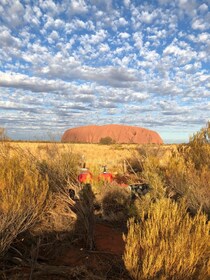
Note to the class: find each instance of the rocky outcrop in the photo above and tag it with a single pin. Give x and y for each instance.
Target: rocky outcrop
(119, 133)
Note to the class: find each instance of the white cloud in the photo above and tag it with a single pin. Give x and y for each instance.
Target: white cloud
(190, 68)
(183, 53)
(91, 61)
(96, 38)
(53, 24)
(7, 40)
(35, 84)
(137, 36)
(188, 7)
(53, 37)
(50, 7)
(12, 13)
(77, 7)
(124, 35)
(104, 48)
(204, 37)
(203, 7)
(126, 3)
(122, 21)
(32, 16)
(199, 24)
(147, 17)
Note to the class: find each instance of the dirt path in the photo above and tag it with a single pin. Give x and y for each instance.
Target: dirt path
(74, 262)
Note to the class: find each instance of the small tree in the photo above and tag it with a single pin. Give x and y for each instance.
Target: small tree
(106, 141)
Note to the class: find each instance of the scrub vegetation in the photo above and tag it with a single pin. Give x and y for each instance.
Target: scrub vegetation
(46, 232)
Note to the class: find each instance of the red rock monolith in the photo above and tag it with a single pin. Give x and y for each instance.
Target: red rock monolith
(119, 134)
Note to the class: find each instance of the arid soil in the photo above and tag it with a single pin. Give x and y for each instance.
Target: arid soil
(119, 133)
(70, 261)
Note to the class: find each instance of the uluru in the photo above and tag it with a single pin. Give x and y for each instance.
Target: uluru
(123, 134)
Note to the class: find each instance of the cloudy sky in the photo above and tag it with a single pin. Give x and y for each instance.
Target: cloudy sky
(76, 62)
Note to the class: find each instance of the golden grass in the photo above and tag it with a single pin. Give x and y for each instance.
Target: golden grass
(23, 192)
(169, 244)
(27, 185)
(94, 155)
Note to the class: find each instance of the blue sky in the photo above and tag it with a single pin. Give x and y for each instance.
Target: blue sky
(73, 63)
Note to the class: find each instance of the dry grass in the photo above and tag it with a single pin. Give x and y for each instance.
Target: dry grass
(179, 171)
(58, 218)
(23, 192)
(95, 155)
(33, 191)
(164, 242)
(169, 244)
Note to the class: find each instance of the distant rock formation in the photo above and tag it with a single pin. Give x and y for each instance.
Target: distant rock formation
(119, 133)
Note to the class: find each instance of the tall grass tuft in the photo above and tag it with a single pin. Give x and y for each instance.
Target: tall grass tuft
(60, 166)
(34, 191)
(169, 244)
(23, 192)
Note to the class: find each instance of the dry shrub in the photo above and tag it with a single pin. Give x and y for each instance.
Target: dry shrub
(61, 169)
(134, 165)
(85, 216)
(33, 192)
(146, 153)
(168, 245)
(58, 216)
(184, 180)
(198, 150)
(115, 202)
(186, 174)
(23, 192)
(157, 190)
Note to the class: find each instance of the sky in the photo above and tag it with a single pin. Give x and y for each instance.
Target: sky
(72, 63)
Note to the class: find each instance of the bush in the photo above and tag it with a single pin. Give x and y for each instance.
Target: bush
(57, 219)
(61, 170)
(106, 141)
(115, 203)
(23, 193)
(33, 192)
(198, 150)
(134, 165)
(168, 245)
(185, 173)
(184, 180)
(85, 216)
